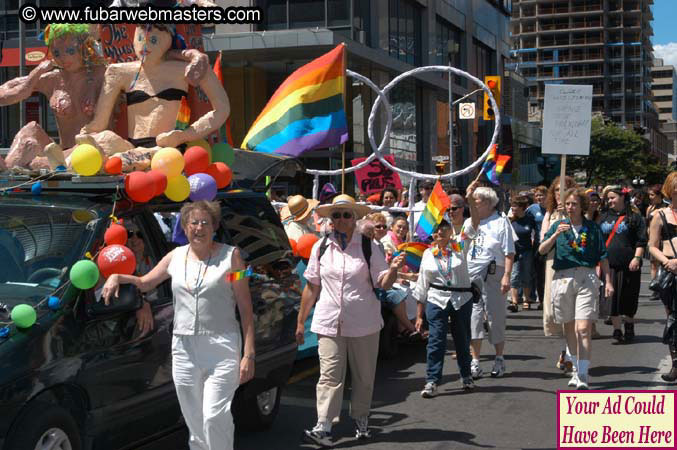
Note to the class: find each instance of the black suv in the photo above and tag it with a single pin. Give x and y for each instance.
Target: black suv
(94, 379)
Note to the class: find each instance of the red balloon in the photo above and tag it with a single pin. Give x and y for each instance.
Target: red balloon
(113, 166)
(115, 234)
(294, 247)
(197, 160)
(116, 259)
(305, 245)
(159, 180)
(221, 173)
(139, 186)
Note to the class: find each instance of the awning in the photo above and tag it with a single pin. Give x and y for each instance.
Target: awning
(10, 56)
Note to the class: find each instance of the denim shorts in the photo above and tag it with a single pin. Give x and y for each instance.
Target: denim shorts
(393, 297)
(522, 271)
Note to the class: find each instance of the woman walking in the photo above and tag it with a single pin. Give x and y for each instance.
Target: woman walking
(579, 247)
(522, 271)
(347, 318)
(206, 363)
(444, 291)
(625, 236)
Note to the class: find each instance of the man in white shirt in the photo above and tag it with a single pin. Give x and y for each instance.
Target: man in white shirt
(297, 218)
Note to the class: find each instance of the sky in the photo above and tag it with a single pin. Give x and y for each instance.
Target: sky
(664, 30)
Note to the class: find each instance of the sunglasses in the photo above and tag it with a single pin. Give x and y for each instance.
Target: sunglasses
(135, 233)
(380, 227)
(454, 208)
(337, 215)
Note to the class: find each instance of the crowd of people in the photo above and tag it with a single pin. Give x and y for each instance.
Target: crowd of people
(576, 256)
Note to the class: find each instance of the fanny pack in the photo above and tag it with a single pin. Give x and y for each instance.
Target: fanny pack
(474, 289)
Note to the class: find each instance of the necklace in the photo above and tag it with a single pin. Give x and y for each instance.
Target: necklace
(578, 243)
(200, 278)
(447, 272)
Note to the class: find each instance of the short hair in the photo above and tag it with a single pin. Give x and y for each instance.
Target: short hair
(397, 219)
(521, 201)
(376, 217)
(583, 199)
(211, 208)
(669, 185)
(390, 189)
(457, 197)
(541, 190)
(486, 193)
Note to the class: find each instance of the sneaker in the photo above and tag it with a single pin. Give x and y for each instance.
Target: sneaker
(430, 390)
(468, 384)
(362, 428)
(499, 368)
(475, 369)
(582, 382)
(317, 436)
(573, 382)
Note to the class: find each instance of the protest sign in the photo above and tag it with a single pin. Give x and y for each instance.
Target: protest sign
(567, 118)
(375, 176)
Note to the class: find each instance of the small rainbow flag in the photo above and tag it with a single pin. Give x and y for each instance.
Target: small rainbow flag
(433, 213)
(413, 254)
(494, 165)
(239, 275)
(183, 116)
(306, 112)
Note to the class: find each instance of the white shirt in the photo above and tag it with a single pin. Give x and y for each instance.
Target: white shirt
(417, 215)
(429, 273)
(295, 230)
(493, 241)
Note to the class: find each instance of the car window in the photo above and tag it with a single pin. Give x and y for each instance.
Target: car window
(38, 245)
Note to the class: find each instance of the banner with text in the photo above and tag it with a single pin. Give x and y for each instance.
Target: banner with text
(375, 177)
(567, 118)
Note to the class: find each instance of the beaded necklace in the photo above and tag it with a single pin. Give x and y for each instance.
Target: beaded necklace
(578, 243)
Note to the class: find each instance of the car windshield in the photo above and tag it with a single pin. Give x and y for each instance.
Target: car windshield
(38, 245)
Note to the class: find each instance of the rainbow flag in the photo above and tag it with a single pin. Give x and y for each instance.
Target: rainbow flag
(183, 116)
(306, 112)
(413, 254)
(218, 71)
(494, 165)
(239, 275)
(433, 213)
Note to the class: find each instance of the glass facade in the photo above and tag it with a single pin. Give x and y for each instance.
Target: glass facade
(404, 31)
(289, 14)
(449, 47)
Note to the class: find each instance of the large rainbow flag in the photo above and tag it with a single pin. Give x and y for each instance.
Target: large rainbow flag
(413, 253)
(306, 112)
(494, 165)
(433, 213)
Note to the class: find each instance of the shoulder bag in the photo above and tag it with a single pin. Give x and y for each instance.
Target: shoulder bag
(665, 280)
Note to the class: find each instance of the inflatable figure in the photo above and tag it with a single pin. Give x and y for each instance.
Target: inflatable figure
(71, 78)
(153, 86)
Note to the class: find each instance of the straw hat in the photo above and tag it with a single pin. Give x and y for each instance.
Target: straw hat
(343, 202)
(298, 207)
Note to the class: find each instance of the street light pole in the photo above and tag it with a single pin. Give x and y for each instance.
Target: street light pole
(452, 48)
(22, 66)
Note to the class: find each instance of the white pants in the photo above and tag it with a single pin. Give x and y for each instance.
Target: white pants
(206, 372)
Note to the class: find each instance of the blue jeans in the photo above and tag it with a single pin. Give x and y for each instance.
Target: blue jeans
(438, 320)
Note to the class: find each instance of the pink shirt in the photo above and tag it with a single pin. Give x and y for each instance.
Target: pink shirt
(347, 305)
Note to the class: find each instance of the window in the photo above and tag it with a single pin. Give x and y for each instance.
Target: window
(486, 60)
(446, 38)
(306, 13)
(404, 40)
(275, 14)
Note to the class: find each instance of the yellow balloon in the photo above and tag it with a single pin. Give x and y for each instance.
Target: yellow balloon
(178, 188)
(86, 160)
(168, 161)
(201, 143)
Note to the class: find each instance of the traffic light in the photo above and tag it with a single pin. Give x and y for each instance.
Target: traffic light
(493, 82)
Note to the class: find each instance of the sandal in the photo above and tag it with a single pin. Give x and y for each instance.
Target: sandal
(525, 306)
(512, 307)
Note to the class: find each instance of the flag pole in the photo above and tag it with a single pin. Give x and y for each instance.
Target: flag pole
(343, 146)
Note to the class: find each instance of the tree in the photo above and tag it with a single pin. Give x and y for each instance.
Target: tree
(616, 154)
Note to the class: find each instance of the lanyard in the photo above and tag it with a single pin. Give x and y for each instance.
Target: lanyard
(199, 280)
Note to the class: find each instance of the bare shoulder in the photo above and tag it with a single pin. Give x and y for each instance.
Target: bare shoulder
(122, 70)
(174, 64)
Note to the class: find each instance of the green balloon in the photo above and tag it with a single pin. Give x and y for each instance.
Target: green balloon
(223, 152)
(23, 316)
(84, 274)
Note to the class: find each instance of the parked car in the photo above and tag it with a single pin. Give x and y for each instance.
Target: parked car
(92, 378)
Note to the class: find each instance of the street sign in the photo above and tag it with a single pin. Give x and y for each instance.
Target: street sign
(440, 158)
(466, 110)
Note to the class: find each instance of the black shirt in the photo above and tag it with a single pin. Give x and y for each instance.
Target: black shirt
(630, 234)
(524, 227)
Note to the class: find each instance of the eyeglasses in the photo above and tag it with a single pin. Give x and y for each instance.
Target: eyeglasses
(380, 227)
(337, 215)
(134, 233)
(454, 208)
(195, 223)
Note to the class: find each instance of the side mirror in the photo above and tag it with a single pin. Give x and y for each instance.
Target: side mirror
(129, 300)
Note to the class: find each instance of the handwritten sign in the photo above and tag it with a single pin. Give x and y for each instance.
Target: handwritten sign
(566, 119)
(375, 176)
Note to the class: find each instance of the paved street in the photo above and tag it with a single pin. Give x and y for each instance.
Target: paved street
(514, 412)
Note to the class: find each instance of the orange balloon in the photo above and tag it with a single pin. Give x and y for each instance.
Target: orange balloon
(221, 174)
(196, 160)
(305, 245)
(115, 234)
(159, 181)
(116, 259)
(139, 186)
(113, 166)
(294, 247)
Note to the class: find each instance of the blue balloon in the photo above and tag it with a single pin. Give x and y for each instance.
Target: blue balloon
(54, 303)
(36, 189)
(4, 332)
(60, 168)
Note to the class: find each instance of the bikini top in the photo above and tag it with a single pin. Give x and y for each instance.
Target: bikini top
(167, 94)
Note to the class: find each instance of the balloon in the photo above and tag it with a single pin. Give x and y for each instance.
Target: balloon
(202, 187)
(36, 189)
(116, 259)
(223, 152)
(197, 160)
(178, 188)
(139, 186)
(115, 234)
(305, 245)
(168, 161)
(23, 315)
(84, 274)
(86, 160)
(200, 143)
(83, 215)
(221, 174)
(4, 332)
(159, 181)
(113, 166)
(294, 247)
(54, 303)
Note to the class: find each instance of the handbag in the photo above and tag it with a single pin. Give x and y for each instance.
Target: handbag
(665, 280)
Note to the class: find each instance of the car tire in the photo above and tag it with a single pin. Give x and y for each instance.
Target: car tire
(257, 412)
(388, 346)
(43, 425)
